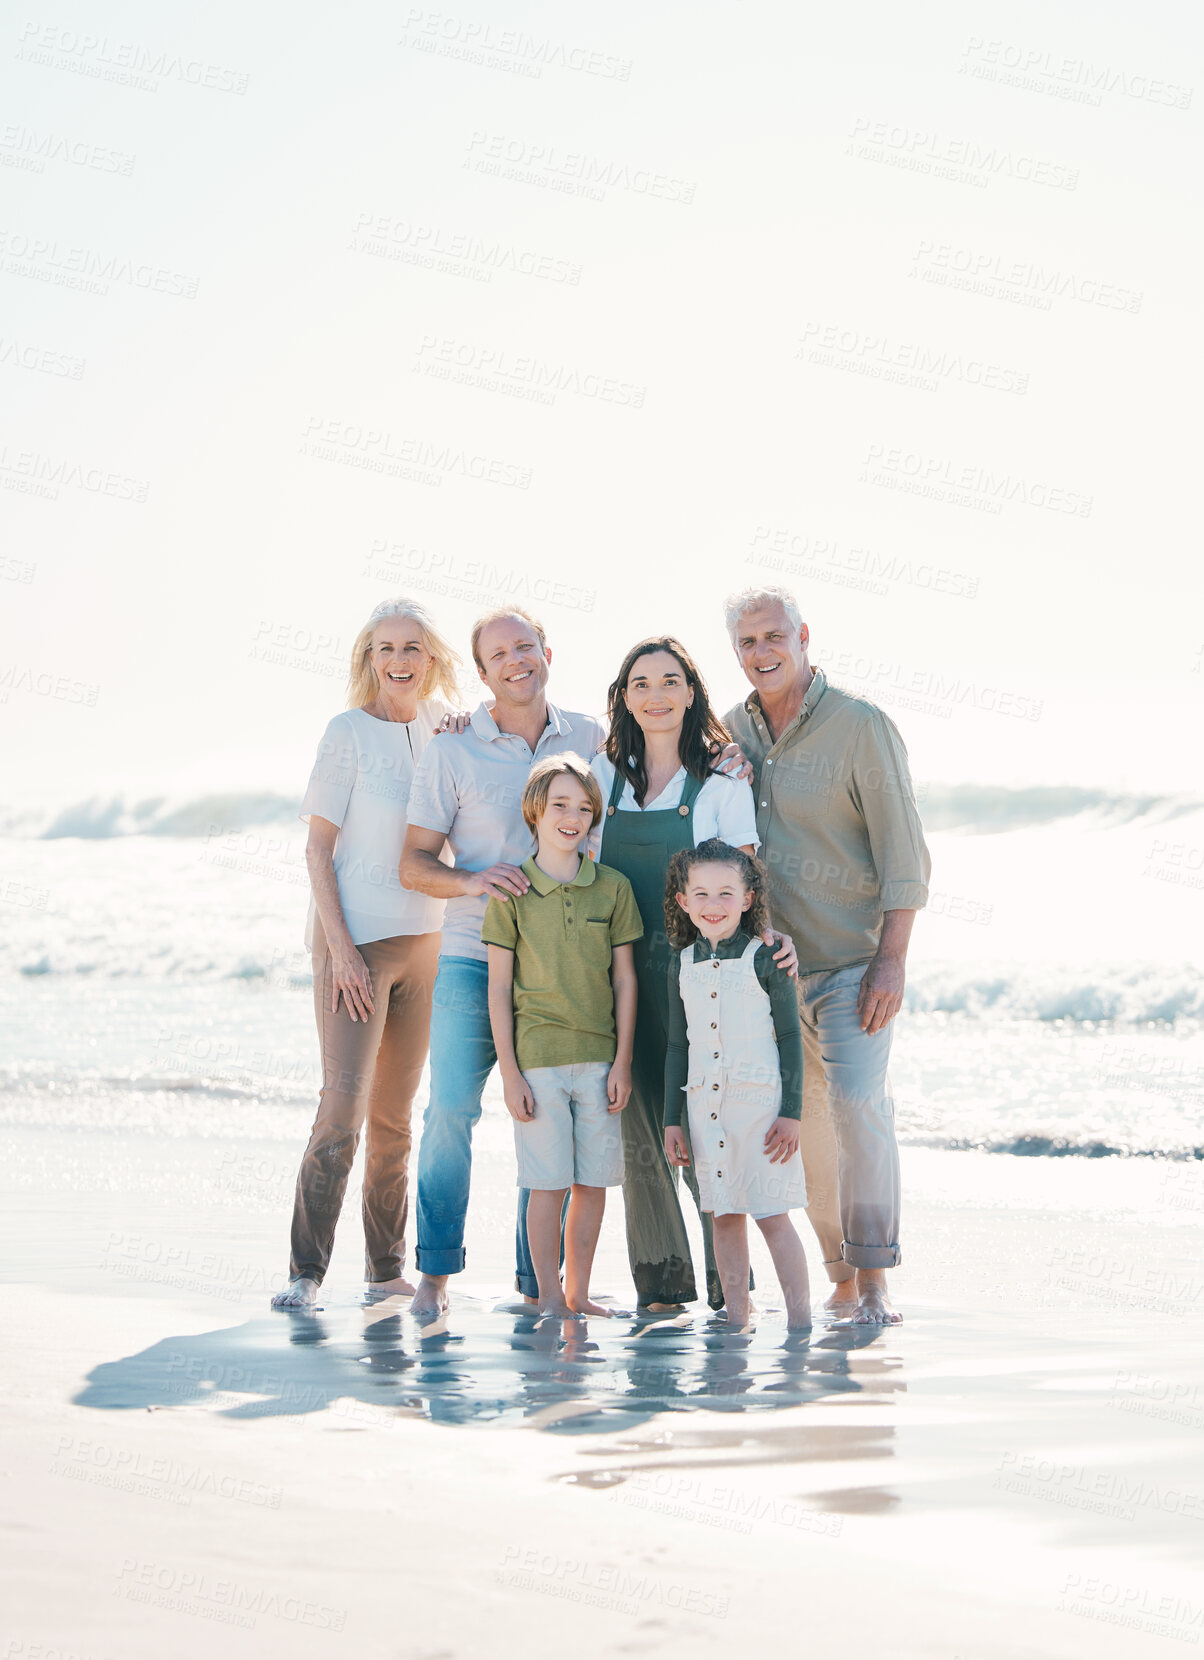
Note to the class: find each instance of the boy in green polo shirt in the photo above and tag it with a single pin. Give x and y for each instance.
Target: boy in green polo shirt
(562, 999)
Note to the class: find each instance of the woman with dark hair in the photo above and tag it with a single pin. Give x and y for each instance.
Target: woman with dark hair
(657, 777)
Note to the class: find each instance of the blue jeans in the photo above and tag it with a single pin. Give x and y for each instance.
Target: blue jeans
(462, 1057)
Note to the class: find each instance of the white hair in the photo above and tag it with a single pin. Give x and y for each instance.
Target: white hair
(440, 677)
(738, 605)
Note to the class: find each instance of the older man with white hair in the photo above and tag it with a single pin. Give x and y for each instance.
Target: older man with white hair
(848, 870)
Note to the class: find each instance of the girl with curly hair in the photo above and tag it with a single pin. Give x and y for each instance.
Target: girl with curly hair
(734, 1069)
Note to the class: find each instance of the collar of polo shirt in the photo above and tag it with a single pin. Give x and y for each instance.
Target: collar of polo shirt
(545, 884)
(483, 724)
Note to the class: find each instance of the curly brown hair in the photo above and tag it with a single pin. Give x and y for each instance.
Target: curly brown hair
(755, 921)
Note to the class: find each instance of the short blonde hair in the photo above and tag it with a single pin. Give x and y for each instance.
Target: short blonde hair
(738, 605)
(539, 786)
(500, 615)
(363, 684)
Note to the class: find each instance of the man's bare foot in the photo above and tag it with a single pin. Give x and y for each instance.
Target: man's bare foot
(873, 1304)
(843, 1300)
(300, 1293)
(376, 1291)
(431, 1298)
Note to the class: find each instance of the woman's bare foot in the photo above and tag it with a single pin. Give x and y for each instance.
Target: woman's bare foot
(664, 1308)
(376, 1291)
(873, 1305)
(843, 1300)
(299, 1293)
(555, 1307)
(431, 1298)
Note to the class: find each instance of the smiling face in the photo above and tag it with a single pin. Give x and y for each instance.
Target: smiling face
(715, 899)
(657, 692)
(513, 664)
(399, 656)
(567, 819)
(772, 654)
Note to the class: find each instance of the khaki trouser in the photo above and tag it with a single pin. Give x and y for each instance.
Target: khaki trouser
(847, 1135)
(370, 1070)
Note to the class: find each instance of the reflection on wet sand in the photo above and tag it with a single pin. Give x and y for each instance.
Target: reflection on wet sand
(575, 1376)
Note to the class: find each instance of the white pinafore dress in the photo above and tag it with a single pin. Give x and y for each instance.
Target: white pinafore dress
(734, 1091)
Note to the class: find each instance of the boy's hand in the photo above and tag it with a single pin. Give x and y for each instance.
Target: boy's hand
(618, 1086)
(675, 1145)
(782, 1141)
(784, 953)
(520, 1103)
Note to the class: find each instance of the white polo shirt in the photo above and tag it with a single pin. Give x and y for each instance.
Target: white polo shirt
(470, 788)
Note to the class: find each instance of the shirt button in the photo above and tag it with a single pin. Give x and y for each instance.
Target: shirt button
(714, 994)
(714, 1025)
(714, 1086)
(765, 804)
(715, 1056)
(714, 1115)
(568, 902)
(721, 1172)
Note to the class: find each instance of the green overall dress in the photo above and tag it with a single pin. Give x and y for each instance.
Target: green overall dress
(640, 845)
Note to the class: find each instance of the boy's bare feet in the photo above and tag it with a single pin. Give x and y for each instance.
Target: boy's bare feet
(587, 1305)
(376, 1290)
(300, 1293)
(873, 1304)
(431, 1298)
(843, 1300)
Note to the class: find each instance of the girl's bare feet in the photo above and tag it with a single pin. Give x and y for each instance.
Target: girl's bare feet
(299, 1293)
(586, 1305)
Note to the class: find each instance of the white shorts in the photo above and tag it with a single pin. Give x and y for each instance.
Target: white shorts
(573, 1136)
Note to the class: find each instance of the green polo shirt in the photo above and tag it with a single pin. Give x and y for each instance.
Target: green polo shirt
(562, 935)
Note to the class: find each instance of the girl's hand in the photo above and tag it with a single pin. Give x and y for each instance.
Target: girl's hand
(454, 722)
(353, 983)
(731, 759)
(781, 1143)
(785, 955)
(675, 1145)
(618, 1086)
(520, 1103)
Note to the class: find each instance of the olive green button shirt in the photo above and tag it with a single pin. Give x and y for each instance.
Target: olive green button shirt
(562, 935)
(836, 813)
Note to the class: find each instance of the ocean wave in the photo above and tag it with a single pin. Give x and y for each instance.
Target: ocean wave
(982, 809)
(1129, 993)
(1035, 1145)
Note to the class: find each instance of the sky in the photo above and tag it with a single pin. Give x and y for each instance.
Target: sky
(612, 312)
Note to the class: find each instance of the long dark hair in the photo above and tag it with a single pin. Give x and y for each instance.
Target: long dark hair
(678, 926)
(700, 731)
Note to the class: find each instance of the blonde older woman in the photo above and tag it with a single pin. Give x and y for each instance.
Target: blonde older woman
(375, 945)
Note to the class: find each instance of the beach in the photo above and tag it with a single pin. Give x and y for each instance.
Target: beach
(1013, 1471)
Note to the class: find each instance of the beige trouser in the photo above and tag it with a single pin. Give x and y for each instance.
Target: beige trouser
(370, 1070)
(847, 1135)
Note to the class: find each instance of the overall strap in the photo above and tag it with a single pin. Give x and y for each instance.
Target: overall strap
(689, 794)
(616, 793)
(750, 948)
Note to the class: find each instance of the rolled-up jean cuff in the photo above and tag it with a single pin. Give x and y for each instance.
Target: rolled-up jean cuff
(527, 1284)
(440, 1262)
(871, 1256)
(838, 1270)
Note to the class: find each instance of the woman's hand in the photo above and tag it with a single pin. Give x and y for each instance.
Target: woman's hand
(675, 1145)
(732, 759)
(781, 1143)
(353, 983)
(784, 954)
(454, 721)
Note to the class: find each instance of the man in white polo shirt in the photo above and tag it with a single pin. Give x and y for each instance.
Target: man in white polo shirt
(467, 792)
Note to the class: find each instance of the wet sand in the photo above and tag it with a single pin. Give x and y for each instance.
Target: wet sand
(1015, 1471)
